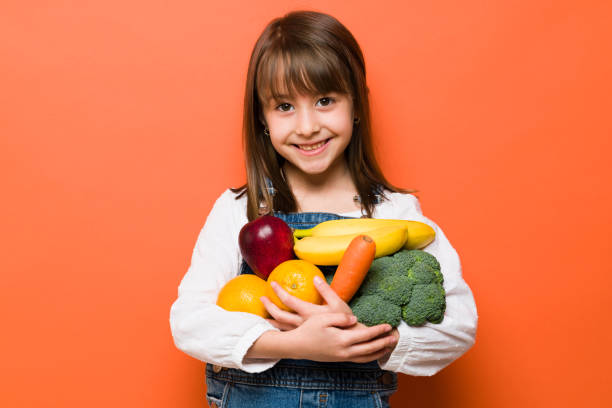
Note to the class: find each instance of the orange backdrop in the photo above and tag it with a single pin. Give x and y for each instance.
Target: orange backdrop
(120, 124)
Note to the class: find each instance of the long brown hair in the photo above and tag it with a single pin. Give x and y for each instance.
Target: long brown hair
(311, 53)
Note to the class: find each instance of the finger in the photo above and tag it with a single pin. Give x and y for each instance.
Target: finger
(280, 326)
(274, 323)
(360, 335)
(389, 350)
(329, 296)
(281, 315)
(371, 347)
(300, 306)
(396, 336)
(393, 333)
(337, 319)
(393, 343)
(370, 357)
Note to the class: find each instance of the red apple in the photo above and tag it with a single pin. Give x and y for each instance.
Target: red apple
(265, 243)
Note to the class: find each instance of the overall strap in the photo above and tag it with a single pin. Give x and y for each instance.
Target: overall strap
(377, 192)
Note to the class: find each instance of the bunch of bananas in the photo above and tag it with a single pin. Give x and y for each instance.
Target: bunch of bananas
(325, 243)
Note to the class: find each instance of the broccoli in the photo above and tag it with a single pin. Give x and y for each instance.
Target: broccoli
(408, 279)
(426, 304)
(422, 274)
(416, 256)
(393, 288)
(372, 310)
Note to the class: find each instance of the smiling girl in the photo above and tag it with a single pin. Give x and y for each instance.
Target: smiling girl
(309, 159)
(311, 132)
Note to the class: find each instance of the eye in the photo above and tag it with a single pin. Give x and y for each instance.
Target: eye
(284, 107)
(326, 101)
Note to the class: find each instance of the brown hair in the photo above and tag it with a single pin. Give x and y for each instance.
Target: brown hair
(311, 53)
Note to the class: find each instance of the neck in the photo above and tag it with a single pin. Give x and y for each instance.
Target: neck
(335, 180)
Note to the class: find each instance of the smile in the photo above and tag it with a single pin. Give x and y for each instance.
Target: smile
(310, 149)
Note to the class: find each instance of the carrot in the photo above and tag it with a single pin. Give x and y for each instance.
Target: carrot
(353, 267)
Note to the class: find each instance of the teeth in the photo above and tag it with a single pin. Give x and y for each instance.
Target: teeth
(312, 147)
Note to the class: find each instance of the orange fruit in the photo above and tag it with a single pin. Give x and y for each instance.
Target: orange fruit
(242, 293)
(296, 276)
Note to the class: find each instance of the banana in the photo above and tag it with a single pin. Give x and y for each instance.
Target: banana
(419, 234)
(328, 250)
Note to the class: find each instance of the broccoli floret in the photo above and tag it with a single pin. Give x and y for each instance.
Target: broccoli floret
(396, 289)
(381, 270)
(416, 256)
(439, 277)
(393, 288)
(372, 310)
(421, 273)
(380, 267)
(410, 279)
(428, 303)
(370, 285)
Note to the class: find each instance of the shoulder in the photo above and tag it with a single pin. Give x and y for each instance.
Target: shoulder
(399, 205)
(231, 204)
(230, 199)
(228, 210)
(226, 218)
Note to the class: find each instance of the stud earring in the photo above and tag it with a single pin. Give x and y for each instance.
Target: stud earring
(356, 121)
(266, 131)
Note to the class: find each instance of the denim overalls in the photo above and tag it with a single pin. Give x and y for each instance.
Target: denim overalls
(301, 383)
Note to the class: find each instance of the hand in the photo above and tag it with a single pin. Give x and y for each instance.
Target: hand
(284, 320)
(394, 339)
(336, 337)
(395, 334)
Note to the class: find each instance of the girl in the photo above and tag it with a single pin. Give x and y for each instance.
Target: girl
(309, 159)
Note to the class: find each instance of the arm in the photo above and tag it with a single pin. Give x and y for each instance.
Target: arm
(326, 332)
(326, 337)
(428, 349)
(199, 327)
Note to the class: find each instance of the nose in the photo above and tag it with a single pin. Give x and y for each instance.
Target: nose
(307, 123)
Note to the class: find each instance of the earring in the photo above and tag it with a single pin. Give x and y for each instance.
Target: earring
(356, 121)
(266, 131)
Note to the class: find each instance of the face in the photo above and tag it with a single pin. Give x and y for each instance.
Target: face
(310, 131)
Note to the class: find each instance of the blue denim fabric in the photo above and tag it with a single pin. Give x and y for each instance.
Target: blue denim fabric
(291, 386)
(302, 383)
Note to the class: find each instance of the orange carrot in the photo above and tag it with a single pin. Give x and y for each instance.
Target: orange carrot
(353, 267)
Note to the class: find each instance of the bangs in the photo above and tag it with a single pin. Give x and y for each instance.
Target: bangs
(290, 72)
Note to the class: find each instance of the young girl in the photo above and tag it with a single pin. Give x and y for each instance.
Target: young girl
(309, 159)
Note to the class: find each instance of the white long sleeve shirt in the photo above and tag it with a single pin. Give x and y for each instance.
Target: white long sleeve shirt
(208, 333)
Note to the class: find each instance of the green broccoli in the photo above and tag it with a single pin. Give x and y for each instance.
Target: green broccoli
(408, 279)
(422, 274)
(393, 288)
(426, 304)
(416, 256)
(372, 310)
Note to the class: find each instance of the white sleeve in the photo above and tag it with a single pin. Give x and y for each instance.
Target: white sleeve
(425, 350)
(199, 327)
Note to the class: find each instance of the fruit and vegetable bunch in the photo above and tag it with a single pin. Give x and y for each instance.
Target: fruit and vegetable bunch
(266, 244)
(382, 272)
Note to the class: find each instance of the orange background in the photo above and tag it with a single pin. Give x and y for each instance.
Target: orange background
(120, 124)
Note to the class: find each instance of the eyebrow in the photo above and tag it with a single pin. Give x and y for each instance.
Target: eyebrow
(285, 96)
(278, 97)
